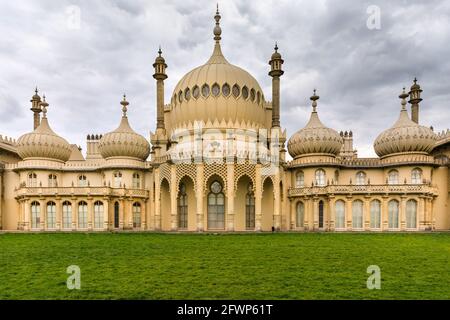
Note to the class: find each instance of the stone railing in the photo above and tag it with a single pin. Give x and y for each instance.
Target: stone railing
(364, 189)
(81, 191)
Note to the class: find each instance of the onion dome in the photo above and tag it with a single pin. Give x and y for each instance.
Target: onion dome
(43, 143)
(276, 55)
(405, 135)
(315, 138)
(218, 91)
(124, 142)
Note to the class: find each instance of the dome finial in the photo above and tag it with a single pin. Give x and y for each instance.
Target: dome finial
(314, 99)
(124, 104)
(276, 46)
(217, 29)
(403, 96)
(44, 105)
(160, 51)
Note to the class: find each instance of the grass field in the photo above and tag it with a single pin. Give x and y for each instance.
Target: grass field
(202, 266)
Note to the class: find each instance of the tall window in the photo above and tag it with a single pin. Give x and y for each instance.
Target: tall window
(136, 215)
(375, 214)
(411, 214)
(67, 215)
(52, 181)
(32, 180)
(82, 181)
(416, 176)
(300, 215)
(250, 208)
(136, 181)
(182, 207)
(117, 179)
(393, 177)
(340, 214)
(98, 215)
(357, 214)
(82, 215)
(360, 178)
(51, 215)
(35, 215)
(299, 179)
(216, 206)
(321, 214)
(320, 178)
(393, 214)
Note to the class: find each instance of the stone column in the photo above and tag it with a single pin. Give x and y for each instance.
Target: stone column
(27, 215)
(277, 202)
(258, 198)
(106, 214)
(157, 212)
(230, 197)
(293, 214)
(402, 215)
(366, 213)
(90, 213)
(144, 215)
(421, 214)
(122, 214)
(315, 212)
(59, 218)
(173, 198)
(349, 215)
(74, 214)
(332, 212)
(384, 213)
(43, 214)
(199, 196)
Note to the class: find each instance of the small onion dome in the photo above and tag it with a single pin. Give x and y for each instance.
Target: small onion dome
(405, 136)
(160, 59)
(124, 142)
(276, 55)
(315, 138)
(43, 143)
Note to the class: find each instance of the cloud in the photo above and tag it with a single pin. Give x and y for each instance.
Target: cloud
(326, 45)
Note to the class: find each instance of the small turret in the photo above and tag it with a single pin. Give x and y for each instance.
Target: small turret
(414, 100)
(36, 108)
(276, 71)
(160, 75)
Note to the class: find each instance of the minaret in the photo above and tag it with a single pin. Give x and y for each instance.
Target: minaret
(160, 75)
(276, 72)
(36, 108)
(414, 100)
(43, 106)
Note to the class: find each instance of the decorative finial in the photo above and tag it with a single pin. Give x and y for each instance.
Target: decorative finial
(44, 105)
(124, 104)
(276, 46)
(36, 91)
(415, 80)
(217, 29)
(314, 99)
(403, 96)
(160, 51)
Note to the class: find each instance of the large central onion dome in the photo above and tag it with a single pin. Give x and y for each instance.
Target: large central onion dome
(315, 138)
(218, 92)
(43, 143)
(124, 142)
(405, 136)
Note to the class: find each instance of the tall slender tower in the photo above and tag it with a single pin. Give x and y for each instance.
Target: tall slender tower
(276, 63)
(160, 75)
(414, 100)
(36, 108)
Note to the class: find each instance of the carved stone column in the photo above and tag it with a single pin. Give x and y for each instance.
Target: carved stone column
(199, 196)
(230, 197)
(258, 198)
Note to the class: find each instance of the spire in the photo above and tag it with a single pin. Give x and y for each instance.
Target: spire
(217, 29)
(217, 56)
(44, 105)
(314, 99)
(403, 96)
(125, 105)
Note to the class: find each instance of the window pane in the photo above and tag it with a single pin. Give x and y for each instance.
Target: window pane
(375, 214)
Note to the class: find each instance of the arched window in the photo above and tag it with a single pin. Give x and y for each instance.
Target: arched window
(51, 215)
(52, 181)
(82, 215)
(136, 181)
(182, 207)
(196, 92)
(35, 215)
(300, 215)
(137, 215)
(226, 90)
(339, 209)
(216, 206)
(393, 214)
(299, 179)
(252, 95)
(416, 176)
(236, 91)
(250, 208)
(215, 89)
(98, 215)
(187, 94)
(360, 178)
(375, 214)
(411, 214)
(205, 90)
(82, 181)
(320, 177)
(393, 177)
(357, 214)
(67, 215)
(117, 179)
(32, 180)
(245, 92)
(116, 215)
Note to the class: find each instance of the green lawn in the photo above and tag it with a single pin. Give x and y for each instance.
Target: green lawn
(202, 266)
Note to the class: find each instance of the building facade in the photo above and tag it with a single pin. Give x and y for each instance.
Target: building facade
(216, 161)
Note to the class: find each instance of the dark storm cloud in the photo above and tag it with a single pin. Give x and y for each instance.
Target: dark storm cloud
(358, 72)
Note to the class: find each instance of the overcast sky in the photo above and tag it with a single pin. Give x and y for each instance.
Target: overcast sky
(359, 71)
